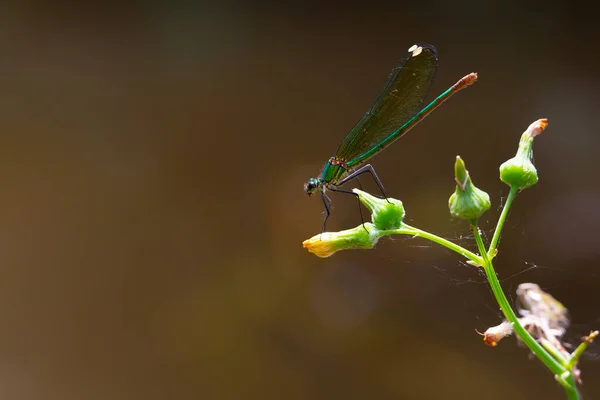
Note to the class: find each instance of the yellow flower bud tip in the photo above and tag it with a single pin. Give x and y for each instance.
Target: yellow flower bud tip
(327, 243)
(317, 246)
(537, 127)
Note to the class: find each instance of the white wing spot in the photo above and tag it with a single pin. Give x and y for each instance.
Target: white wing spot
(412, 48)
(417, 51)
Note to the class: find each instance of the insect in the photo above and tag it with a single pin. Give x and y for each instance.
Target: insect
(396, 110)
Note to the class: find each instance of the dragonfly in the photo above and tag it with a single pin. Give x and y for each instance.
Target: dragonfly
(395, 111)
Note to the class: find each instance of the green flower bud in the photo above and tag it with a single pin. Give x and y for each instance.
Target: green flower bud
(519, 171)
(327, 243)
(385, 213)
(467, 201)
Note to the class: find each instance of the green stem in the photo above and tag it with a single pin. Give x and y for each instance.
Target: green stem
(571, 388)
(550, 348)
(415, 232)
(552, 364)
(576, 355)
(496, 238)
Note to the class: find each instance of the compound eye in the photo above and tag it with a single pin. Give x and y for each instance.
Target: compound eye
(310, 186)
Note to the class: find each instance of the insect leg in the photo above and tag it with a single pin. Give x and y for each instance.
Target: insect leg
(327, 204)
(362, 170)
(362, 219)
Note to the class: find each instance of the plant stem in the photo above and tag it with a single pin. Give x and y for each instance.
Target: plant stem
(576, 355)
(550, 348)
(552, 364)
(571, 389)
(415, 232)
(496, 238)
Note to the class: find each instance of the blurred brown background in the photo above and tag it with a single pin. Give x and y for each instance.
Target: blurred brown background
(151, 166)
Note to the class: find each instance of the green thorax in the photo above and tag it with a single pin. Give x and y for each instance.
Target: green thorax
(333, 171)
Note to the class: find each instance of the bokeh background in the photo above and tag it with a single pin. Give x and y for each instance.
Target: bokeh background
(151, 208)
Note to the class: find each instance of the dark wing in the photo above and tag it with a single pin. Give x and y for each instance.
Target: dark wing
(401, 98)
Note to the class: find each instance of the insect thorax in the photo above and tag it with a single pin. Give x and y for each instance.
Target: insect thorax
(333, 171)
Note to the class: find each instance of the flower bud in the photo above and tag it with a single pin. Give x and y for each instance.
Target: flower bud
(385, 213)
(467, 201)
(327, 243)
(519, 171)
(493, 335)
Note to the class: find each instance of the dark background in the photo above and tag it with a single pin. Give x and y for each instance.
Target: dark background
(151, 207)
